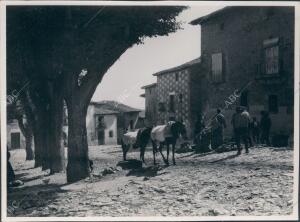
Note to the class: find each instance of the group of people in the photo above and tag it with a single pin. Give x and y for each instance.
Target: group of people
(246, 130)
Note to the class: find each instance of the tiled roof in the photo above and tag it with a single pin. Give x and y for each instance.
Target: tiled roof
(211, 15)
(177, 68)
(102, 111)
(115, 106)
(149, 85)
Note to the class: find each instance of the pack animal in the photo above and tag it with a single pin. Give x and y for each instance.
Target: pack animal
(136, 139)
(166, 135)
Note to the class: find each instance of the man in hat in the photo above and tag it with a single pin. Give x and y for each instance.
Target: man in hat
(240, 122)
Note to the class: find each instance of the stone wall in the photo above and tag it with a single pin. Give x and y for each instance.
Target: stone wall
(166, 86)
(151, 105)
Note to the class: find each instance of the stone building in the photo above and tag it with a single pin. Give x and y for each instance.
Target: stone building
(247, 58)
(252, 47)
(176, 95)
(150, 104)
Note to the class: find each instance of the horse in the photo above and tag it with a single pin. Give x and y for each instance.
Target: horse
(167, 135)
(136, 139)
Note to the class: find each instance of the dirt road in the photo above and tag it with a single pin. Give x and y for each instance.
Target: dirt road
(259, 183)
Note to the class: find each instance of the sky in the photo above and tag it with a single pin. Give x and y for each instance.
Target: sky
(134, 69)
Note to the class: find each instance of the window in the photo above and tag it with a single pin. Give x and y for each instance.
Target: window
(111, 133)
(180, 98)
(150, 91)
(216, 67)
(176, 76)
(273, 104)
(100, 123)
(171, 103)
(271, 53)
(272, 61)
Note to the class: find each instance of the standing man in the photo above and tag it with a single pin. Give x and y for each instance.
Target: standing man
(254, 130)
(199, 126)
(265, 126)
(218, 126)
(240, 122)
(246, 113)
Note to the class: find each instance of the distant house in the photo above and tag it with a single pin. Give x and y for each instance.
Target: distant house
(101, 125)
(15, 138)
(107, 121)
(251, 46)
(127, 117)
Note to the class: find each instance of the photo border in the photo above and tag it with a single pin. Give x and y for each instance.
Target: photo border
(4, 4)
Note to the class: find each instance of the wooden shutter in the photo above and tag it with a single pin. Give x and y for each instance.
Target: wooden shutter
(271, 56)
(217, 67)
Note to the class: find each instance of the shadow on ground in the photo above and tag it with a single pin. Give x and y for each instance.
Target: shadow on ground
(24, 200)
(150, 171)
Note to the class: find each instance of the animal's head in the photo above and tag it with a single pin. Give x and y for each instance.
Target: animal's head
(148, 130)
(178, 128)
(145, 132)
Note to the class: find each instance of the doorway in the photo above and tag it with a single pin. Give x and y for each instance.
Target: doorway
(244, 99)
(101, 137)
(101, 130)
(15, 141)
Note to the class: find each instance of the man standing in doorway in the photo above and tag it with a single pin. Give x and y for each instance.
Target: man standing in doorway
(218, 126)
(265, 125)
(254, 130)
(240, 122)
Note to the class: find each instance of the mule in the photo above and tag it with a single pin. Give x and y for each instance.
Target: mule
(167, 135)
(136, 139)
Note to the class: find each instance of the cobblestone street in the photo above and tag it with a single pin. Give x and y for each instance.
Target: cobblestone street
(259, 183)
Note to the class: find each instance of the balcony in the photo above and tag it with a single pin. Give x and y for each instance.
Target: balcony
(270, 78)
